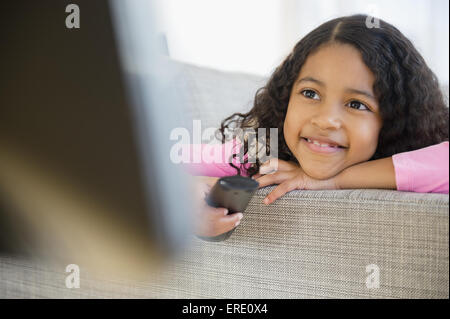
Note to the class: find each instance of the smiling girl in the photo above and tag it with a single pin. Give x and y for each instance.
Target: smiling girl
(355, 108)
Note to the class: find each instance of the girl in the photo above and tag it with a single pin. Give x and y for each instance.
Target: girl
(355, 108)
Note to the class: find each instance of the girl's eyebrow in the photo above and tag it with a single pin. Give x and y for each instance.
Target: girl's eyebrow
(310, 79)
(349, 90)
(367, 94)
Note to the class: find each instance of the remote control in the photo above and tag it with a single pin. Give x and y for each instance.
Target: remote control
(233, 193)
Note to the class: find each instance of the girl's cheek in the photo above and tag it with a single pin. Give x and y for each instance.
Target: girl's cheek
(289, 126)
(294, 119)
(365, 140)
(287, 134)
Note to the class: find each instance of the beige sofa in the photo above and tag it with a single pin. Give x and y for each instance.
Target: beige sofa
(308, 244)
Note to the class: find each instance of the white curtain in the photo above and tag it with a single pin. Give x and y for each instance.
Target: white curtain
(255, 35)
(424, 22)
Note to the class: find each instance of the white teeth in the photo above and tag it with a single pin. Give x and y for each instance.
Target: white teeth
(317, 143)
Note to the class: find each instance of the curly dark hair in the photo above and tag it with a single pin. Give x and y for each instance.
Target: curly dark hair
(412, 106)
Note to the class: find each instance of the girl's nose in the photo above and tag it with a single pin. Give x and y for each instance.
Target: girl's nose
(327, 118)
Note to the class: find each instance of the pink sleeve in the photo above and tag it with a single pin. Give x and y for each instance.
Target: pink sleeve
(424, 170)
(213, 159)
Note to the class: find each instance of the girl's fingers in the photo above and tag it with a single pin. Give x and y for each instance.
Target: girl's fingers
(225, 224)
(219, 215)
(214, 212)
(257, 175)
(231, 221)
(214, 224)
(271, 165)
(280, 190)
(276, 178)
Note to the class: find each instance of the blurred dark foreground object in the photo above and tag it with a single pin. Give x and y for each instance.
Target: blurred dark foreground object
(82, 115)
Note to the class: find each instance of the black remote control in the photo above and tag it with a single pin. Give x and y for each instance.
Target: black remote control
(233, 193)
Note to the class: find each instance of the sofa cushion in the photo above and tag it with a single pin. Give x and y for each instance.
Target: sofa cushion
(211, 95)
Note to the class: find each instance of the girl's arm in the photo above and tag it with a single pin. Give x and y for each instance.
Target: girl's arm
(205, 161)
(212, 159)
(423, 171)
(373, 174)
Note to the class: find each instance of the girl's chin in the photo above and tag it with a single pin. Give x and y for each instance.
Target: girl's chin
(320, 165)
(320, 175)
(318, 170)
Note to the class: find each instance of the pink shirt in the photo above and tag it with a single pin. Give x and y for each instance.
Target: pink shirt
(213, 159)
(422, 171)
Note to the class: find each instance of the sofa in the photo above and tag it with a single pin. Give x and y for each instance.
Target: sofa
(308, 244)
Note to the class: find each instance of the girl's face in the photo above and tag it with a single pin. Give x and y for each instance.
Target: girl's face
(333, 118)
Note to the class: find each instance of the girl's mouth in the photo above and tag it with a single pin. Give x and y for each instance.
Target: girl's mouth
(321, 147)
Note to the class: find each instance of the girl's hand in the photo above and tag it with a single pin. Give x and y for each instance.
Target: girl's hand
(289, 176)
(210, 221)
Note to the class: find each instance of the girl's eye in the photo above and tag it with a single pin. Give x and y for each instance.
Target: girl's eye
(310, 94)
(358, 105)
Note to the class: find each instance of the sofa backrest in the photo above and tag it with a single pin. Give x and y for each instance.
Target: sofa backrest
(210, 95)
